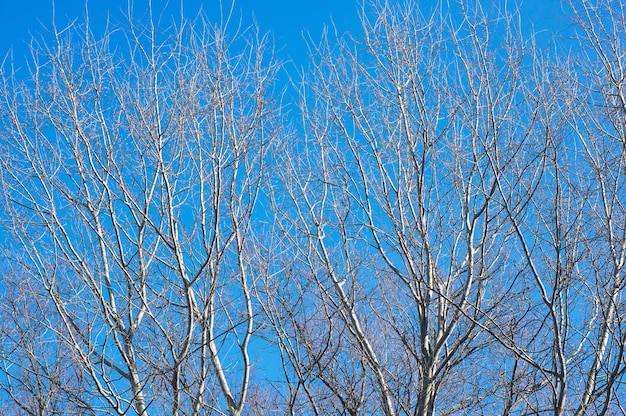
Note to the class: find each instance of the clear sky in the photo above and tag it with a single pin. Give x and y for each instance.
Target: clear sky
(285, 19)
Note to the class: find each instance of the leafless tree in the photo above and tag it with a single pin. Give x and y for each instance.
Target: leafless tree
(437, 226)
(453, 218)
(567, 215)
(131, 166)
(599, 125)
(395, 227)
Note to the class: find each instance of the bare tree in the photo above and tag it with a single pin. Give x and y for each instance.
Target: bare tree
(392, 214)
(437, 226)
(130, 176)
(599, 124)
(567, 215)
(453, 215)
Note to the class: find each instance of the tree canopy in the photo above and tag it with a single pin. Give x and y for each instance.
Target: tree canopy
(429, 219)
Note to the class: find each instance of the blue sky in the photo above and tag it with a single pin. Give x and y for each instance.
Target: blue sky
(285, 19)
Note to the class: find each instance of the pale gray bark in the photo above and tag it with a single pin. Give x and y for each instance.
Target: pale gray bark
(130, 178)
